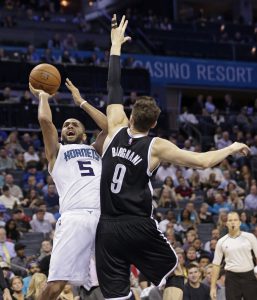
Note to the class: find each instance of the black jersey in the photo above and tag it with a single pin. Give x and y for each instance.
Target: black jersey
(125, 182)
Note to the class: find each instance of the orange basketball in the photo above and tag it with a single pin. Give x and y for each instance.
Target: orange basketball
(45, 77)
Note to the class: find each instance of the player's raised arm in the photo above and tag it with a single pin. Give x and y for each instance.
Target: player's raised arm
(164, 150)
(49, 131)
(94, 113)
(115, 110)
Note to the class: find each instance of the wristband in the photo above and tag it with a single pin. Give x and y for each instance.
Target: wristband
(82, 103)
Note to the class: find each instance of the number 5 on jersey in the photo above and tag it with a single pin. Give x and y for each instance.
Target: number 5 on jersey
(117, 178)
(85, 169)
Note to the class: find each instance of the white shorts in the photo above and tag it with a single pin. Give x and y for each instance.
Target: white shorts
(73, 246)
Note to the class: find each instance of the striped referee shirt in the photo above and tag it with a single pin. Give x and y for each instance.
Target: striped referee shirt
(237, 252)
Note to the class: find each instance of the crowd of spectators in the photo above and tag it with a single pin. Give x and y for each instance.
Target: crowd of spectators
(186, 200)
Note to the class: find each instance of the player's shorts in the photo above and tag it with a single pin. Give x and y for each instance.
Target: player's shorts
(73, 246)
(128, 240)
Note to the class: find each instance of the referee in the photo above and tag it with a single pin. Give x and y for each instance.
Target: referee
(236, 247)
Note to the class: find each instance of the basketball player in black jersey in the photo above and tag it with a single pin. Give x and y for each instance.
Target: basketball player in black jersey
(126, 233)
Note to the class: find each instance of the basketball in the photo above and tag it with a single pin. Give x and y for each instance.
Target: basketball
(45, 77)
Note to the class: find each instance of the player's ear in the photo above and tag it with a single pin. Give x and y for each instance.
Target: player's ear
(84, 138)
(154, 124)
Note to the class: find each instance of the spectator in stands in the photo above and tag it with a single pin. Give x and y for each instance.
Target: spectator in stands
(19, 162)
(70, 43)
(164, 171)
(48, 57)
(3, 137)
(67, 293)
(92, 60)
(166, 198)
(187, 117)
(194, 289)
(25, 100)
(191, 235)
(131, 100)
(4, 217)
(6, 94)
(56, 42)
(207, 275)
(17, 286)
(37, 284)
(215, 234)
(188, 145)
(253, 146)
(39, 224)
(15, 190)
(22, 221)
(217, 135)
(185, 219)
(191, 256)
(6, 248)
(209, 105)
(183, 191)
(13, 145)
(38, 176)
(198, 105)
(220, 204)
(224, 141)
(31, 55)
(26, 141)
(3, 55)
(244, 226)
(31, 199)
(46, 249)
(169, 216)
(20, 261)
(243, 120)
(33, 267)
(48, 216)
(31, 155)
(5, 161)
(217, 118)
(251, 199)
(12, 234)
(52, 198)
(203, 261)
(222, 223)
(67, 57)
(9, 22)
(197, 244)
(235, 201)
(7, 199)
(204, 215)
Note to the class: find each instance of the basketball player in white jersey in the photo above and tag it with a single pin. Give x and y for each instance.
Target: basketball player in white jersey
(76, 170)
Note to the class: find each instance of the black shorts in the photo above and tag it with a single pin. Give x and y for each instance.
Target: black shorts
(128, 240)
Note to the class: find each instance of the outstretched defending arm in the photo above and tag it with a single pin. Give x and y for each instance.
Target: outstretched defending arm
(115, 110)
(49, 131)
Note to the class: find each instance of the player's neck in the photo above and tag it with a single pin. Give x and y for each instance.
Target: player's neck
(135, 132)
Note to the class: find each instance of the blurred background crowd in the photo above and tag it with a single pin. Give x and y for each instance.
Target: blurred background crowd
(190, 205)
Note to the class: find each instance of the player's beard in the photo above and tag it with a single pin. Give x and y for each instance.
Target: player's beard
(78, 140)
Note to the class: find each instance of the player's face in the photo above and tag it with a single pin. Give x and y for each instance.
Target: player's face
(233, 222)
(72, 132)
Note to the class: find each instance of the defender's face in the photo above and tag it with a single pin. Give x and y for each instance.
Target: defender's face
(72, 132)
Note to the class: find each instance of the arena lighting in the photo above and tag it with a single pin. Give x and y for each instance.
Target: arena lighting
(90, 3)
(64, 3)
(253, 50)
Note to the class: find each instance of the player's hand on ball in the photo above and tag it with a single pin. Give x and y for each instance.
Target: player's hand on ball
(38, 93)
(117, 32)
(74, 91)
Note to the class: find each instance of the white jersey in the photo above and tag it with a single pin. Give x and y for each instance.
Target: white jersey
(76, 173)
(237, 252)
